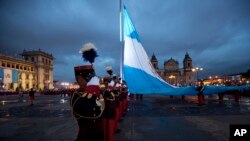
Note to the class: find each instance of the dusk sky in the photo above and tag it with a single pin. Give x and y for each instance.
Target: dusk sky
(215, 33)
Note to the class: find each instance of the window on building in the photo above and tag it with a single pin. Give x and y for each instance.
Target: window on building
(42, 59)
(32, 59)
(25, 68)
(188, 64)
(13, 66)
(26, 58)
(8, 65)
(17, 66)
(32, 69)
(3, 64)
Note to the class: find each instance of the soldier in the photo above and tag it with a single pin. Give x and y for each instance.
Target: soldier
(124, 93)
(88, 103)
(237, 96)
(110, 106)
(220, 95)
(116, 90)
(200, 90)
(119, 88)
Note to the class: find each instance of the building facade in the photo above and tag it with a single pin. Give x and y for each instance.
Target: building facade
(173, 74)
(33, 69)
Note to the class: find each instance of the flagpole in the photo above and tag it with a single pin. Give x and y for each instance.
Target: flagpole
(121, 39)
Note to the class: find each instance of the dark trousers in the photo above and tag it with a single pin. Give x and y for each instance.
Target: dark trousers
(91, 131)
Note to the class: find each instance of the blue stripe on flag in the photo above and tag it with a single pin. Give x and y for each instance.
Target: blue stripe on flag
(14, 76)
(140, 81)
(129, 29)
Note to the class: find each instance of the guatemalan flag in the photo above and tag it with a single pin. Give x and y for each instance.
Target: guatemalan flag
(138, 71)
(142, 78)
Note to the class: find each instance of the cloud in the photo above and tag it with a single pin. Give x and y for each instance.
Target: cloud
(210, 31)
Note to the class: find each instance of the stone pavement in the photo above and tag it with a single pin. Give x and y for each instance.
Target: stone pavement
(155, 117)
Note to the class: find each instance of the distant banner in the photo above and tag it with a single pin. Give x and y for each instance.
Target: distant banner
(1, 75)
(14, 76)
(7, 76)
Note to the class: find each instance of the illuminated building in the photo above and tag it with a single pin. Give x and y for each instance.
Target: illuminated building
(33, 69)
(173, 74)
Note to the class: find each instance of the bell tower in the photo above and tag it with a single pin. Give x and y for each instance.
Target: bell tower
(187, 69)
(154, 61)
(187, 63)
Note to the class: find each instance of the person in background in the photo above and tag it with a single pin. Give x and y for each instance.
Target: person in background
(32, 96)
(20, 93)
(200, 90)
(237, 96)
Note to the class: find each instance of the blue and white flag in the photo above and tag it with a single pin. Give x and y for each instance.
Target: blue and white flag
(140, 75)
(138, 71)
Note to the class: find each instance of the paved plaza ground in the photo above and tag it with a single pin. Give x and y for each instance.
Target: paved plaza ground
(154, 118)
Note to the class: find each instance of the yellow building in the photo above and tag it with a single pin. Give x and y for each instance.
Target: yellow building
(34, 69)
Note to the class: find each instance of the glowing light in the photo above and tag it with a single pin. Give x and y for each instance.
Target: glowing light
(65, 83)
(171, 76)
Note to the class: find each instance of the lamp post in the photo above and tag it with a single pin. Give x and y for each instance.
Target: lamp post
(197, 69)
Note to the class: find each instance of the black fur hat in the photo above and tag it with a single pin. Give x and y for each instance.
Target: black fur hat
(89, 52)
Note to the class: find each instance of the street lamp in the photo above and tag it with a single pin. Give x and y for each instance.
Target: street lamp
(197, 69)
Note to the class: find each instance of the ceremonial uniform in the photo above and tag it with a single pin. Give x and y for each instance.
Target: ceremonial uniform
(124, 95)
(237, 96)
(220, 95)
(200, 90)
(109, 113)
(117, 91)
(88, 105)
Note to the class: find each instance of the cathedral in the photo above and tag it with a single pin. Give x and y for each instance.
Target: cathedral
(173, 74)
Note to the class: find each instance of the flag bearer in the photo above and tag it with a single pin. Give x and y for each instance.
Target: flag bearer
(88, 104)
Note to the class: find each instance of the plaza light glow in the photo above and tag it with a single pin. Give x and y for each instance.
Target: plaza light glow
(65, 83)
